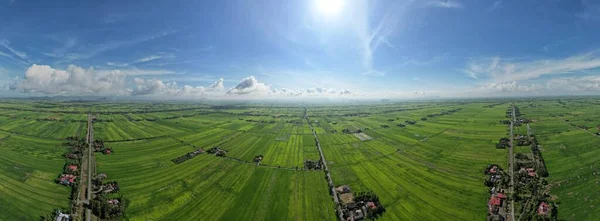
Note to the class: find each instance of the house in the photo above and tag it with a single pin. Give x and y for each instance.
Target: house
(495, 201)
(343, 189)
(61, 216)
(107, 151)
(113, 202)
(493, 170)
(73, 167)
(67, 179)
(543, 208)
(371, 205)
(358, 214)
(530, 172)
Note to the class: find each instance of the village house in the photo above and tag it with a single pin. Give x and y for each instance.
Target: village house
(72, 167)
(67, 179)
(543, 209)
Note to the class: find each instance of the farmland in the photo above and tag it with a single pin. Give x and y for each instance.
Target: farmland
(424, 160)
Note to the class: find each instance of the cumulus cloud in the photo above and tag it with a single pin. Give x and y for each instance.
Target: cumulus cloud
(154, 87)
(74, 80)
(249, 85)
(217, 86)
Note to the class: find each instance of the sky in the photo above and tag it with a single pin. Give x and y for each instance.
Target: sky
(347, 49)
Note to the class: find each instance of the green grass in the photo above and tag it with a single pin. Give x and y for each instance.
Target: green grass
(28, 167)
(431, 170)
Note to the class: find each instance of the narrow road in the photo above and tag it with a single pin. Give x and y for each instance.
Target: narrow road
(90, 159)
(336, 200)
(511, 159)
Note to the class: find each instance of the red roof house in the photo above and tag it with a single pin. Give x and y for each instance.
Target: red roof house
(543, 208)
(531, 172)
(371, 205)
(73, 167)
(495, 201)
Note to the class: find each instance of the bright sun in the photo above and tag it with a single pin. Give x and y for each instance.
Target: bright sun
(329, 7)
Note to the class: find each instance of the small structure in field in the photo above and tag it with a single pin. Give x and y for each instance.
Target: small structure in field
(258, 159)
(107, 151)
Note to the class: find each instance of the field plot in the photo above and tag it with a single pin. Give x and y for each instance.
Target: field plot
(43, 129)
(571, 153)
(208, 187)
(128, 130)
(438, 178)
(28, 167)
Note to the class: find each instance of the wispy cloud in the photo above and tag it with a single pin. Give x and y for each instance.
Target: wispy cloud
(146, 59)
(495, 5)
(150, 58)
(22, 55)
(501, 70)
(444, 4)
(93, 50)
(590, 12)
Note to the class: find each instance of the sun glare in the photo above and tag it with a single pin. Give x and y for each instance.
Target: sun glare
(329, 7)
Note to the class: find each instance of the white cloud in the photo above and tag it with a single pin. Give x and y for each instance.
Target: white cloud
(249, 85)
(154, 87)
(217, 86)
(575, 84)
(74, 80)
(444, 4)
(499, 70)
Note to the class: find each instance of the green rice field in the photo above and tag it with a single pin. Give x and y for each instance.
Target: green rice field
(429, 169)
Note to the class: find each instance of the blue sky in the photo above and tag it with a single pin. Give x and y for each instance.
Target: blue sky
(272, 48)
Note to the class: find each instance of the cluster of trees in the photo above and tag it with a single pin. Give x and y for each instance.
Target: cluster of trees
(522, 140)
(260, 121)
(99, 147)
(503, 143)
(106, 208)
(217, 151)
(187, 156)
(410, 122)
(76, 146)
(348, 131)
(312, 165)
(372, 213)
